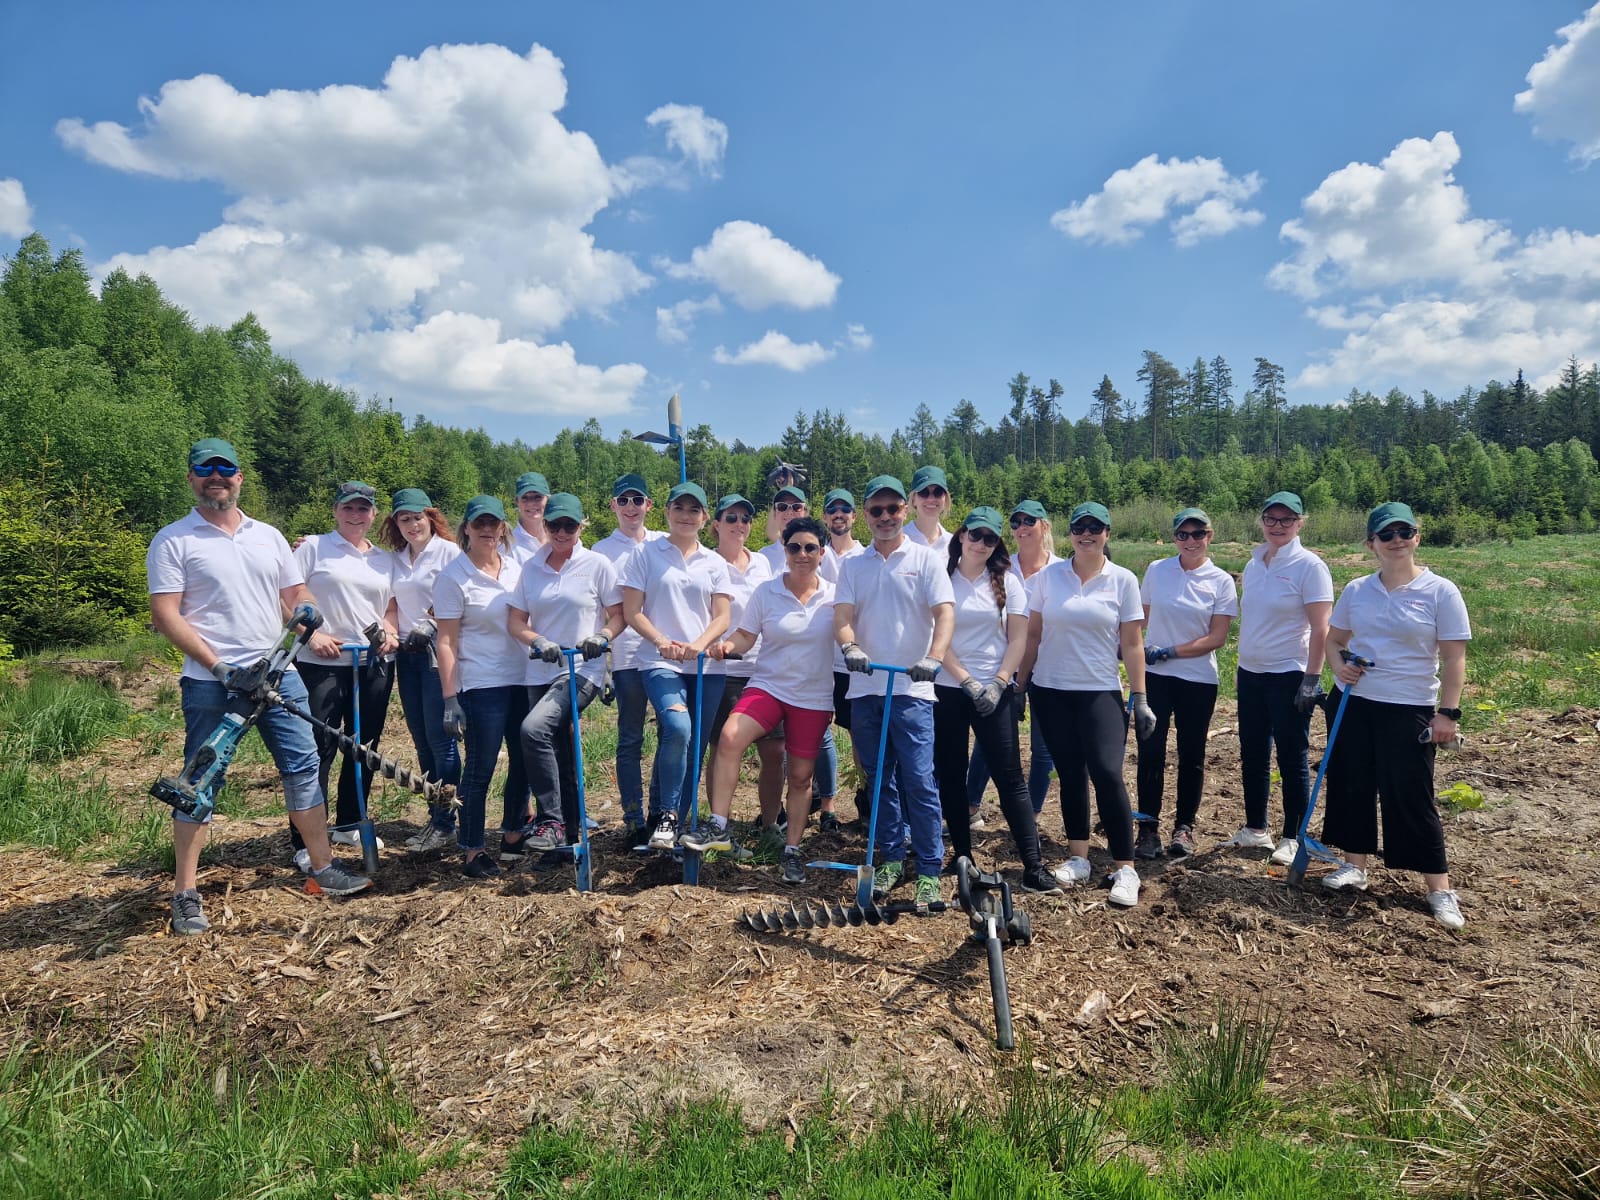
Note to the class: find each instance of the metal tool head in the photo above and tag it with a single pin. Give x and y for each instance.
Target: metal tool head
(856, 915)
(802, 916)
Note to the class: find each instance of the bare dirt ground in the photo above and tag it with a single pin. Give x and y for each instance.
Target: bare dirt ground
(496, 1003)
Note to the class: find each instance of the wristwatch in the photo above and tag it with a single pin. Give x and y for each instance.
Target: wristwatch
(1453, 713)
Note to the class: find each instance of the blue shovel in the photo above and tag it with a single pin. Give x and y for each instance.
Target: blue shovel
(1309, 846)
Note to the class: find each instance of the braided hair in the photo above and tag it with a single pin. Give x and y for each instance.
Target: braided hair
(998, 564)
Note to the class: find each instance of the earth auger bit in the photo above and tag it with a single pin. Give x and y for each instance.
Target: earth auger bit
(378, 763)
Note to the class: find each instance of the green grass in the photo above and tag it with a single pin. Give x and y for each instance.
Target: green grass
(53, 812)
(55, 716)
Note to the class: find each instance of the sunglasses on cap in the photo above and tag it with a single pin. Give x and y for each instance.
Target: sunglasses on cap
(207, 470)
(789, 506)
(1089, 527)
(1403, 532)
(802, 548)
(838, 506)
(1021, 519)
(933, 492)
(1191, 535)
(876, 511)
(982, 535)
(631, 498)
(562, 526)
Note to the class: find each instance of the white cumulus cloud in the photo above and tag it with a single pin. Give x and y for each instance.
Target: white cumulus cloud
(387, 231)
(759, 269)
(777, 350)
(673, 324)
(16, 217)
(701, 139)
(1563, 95)
(856, 337)
(1209, 201)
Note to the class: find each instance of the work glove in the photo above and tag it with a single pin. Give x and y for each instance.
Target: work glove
(974, 692)
(455, 720)
(224, 673)
(855, 659)
(306, 615)
(1020, 704)
(924, 669)
(544, 648)
(1156, 654)
(1309, 694)
(1144, 717)
(995, 693)
(420, 639)
(594, 646)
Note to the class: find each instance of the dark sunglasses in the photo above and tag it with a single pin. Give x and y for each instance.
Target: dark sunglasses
(787, 506)
(982, 535)
(838, 508)
(1089, 527)
(1018, 521)
(1404, 532)
(1279, 522)
(561, 526)
(207, 470)
(1191, 535)
(876, 511)
(737, 518)
(802, 548)
(632, 498)
(933, 492)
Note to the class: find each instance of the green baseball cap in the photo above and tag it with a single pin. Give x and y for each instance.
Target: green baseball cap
(791, 491)
(630, 483)
(1191, 514)
(692, 490)
(410, 500)
(484, 506)
(836, 496)
(1288, 500)
(1031, 508)
(1090, 508)
(563, 506)
(885, 483)
(929, 477)
(532, 481)
(354, 489)
(206, 449)
(733, 500)
(1392, 513)
(984, 517)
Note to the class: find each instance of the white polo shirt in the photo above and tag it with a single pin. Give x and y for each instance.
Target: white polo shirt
(1082, 625)
(352, 587)
(230, 584)
(894, 599)
(1016, 567)
(616, 547)
(523, 544)
(775, 556)
(565, 606)
(980, 638)
(757, 572)
(1182, 604)
(1400, 630)
(486, 654)
(831, 559)
(677, 594)
(412, 581)
(941, 540)
(1274, 635)
(794, 665)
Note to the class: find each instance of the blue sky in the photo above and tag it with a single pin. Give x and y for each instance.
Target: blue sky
(521, 215)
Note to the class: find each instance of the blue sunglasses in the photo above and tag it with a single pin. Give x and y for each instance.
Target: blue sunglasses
(207, 470)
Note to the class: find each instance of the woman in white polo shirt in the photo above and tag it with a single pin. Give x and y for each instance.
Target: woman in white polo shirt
(559, 601)
(1412, 626)
(349, 576)
(676, 595)
(973, 693)
(792, 619)
(1080, 613)
(422, 546)
(1283, 625)
(930, 500)
(1189, 604)
(481, 675)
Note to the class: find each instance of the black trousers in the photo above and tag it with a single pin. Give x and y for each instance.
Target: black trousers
(330, 690)
(953, 716)
(1188, 705)
(1088, 731)
(1268, 719)
(1378, 760)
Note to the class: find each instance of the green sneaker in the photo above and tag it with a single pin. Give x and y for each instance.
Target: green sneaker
(886, 879)
(927, 890)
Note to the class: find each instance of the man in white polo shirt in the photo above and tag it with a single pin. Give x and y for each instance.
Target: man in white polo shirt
(895, 606)
(218, 584)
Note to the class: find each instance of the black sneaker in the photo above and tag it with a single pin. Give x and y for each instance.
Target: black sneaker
(794, 871)
(513, 851)
(828, 822)
(1149, 843)
(1040, 882)
(481, 867)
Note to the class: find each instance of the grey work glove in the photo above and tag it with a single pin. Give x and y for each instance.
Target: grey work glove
(1156, 654)
(420, 639)
(455, 721)
(995, 694)
(544, 648)
(594, 646)
(924, 669)
(224, 673)
(1309, 694)
(1144, 717)
(855, 659)
(974, 692)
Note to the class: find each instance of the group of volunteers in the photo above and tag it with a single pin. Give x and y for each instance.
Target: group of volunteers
(774, 648)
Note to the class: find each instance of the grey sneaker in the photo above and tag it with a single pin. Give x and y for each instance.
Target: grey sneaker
(431, 838)
(1149, 843)
(337, 880)
(794, 870)
(885, 879)
(547, 835)
(189, 918)
(1182, 844)
(706, 836)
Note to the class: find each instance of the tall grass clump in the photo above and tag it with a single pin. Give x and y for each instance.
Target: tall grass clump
(1215, 1075)
(54, 716)
(1047, 1119)
(53, 812)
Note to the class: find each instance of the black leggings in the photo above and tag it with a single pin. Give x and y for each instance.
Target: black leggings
(328, 691)
(953, 716)
(1188, 705)
(1089, 731)
(1377, 758)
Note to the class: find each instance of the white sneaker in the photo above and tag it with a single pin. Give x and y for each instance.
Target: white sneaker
(975, 821)
(350, 837)
(1251, 839)
(1446, 909)
(665, 836)
(430, 839)
(302, 861)
(1284, 854)
(1347, 876)
(1125, 887)
(1072, 872)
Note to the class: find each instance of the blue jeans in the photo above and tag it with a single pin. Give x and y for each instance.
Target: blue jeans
(825, 778)
(1039, 767)
(494, 719)
(631, 701)
(672, 695)
(438, 756)
(288, 738)
(908, 764)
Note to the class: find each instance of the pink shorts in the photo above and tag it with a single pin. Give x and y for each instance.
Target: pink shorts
(803, 727)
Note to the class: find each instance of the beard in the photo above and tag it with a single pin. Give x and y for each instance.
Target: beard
(219, 503)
